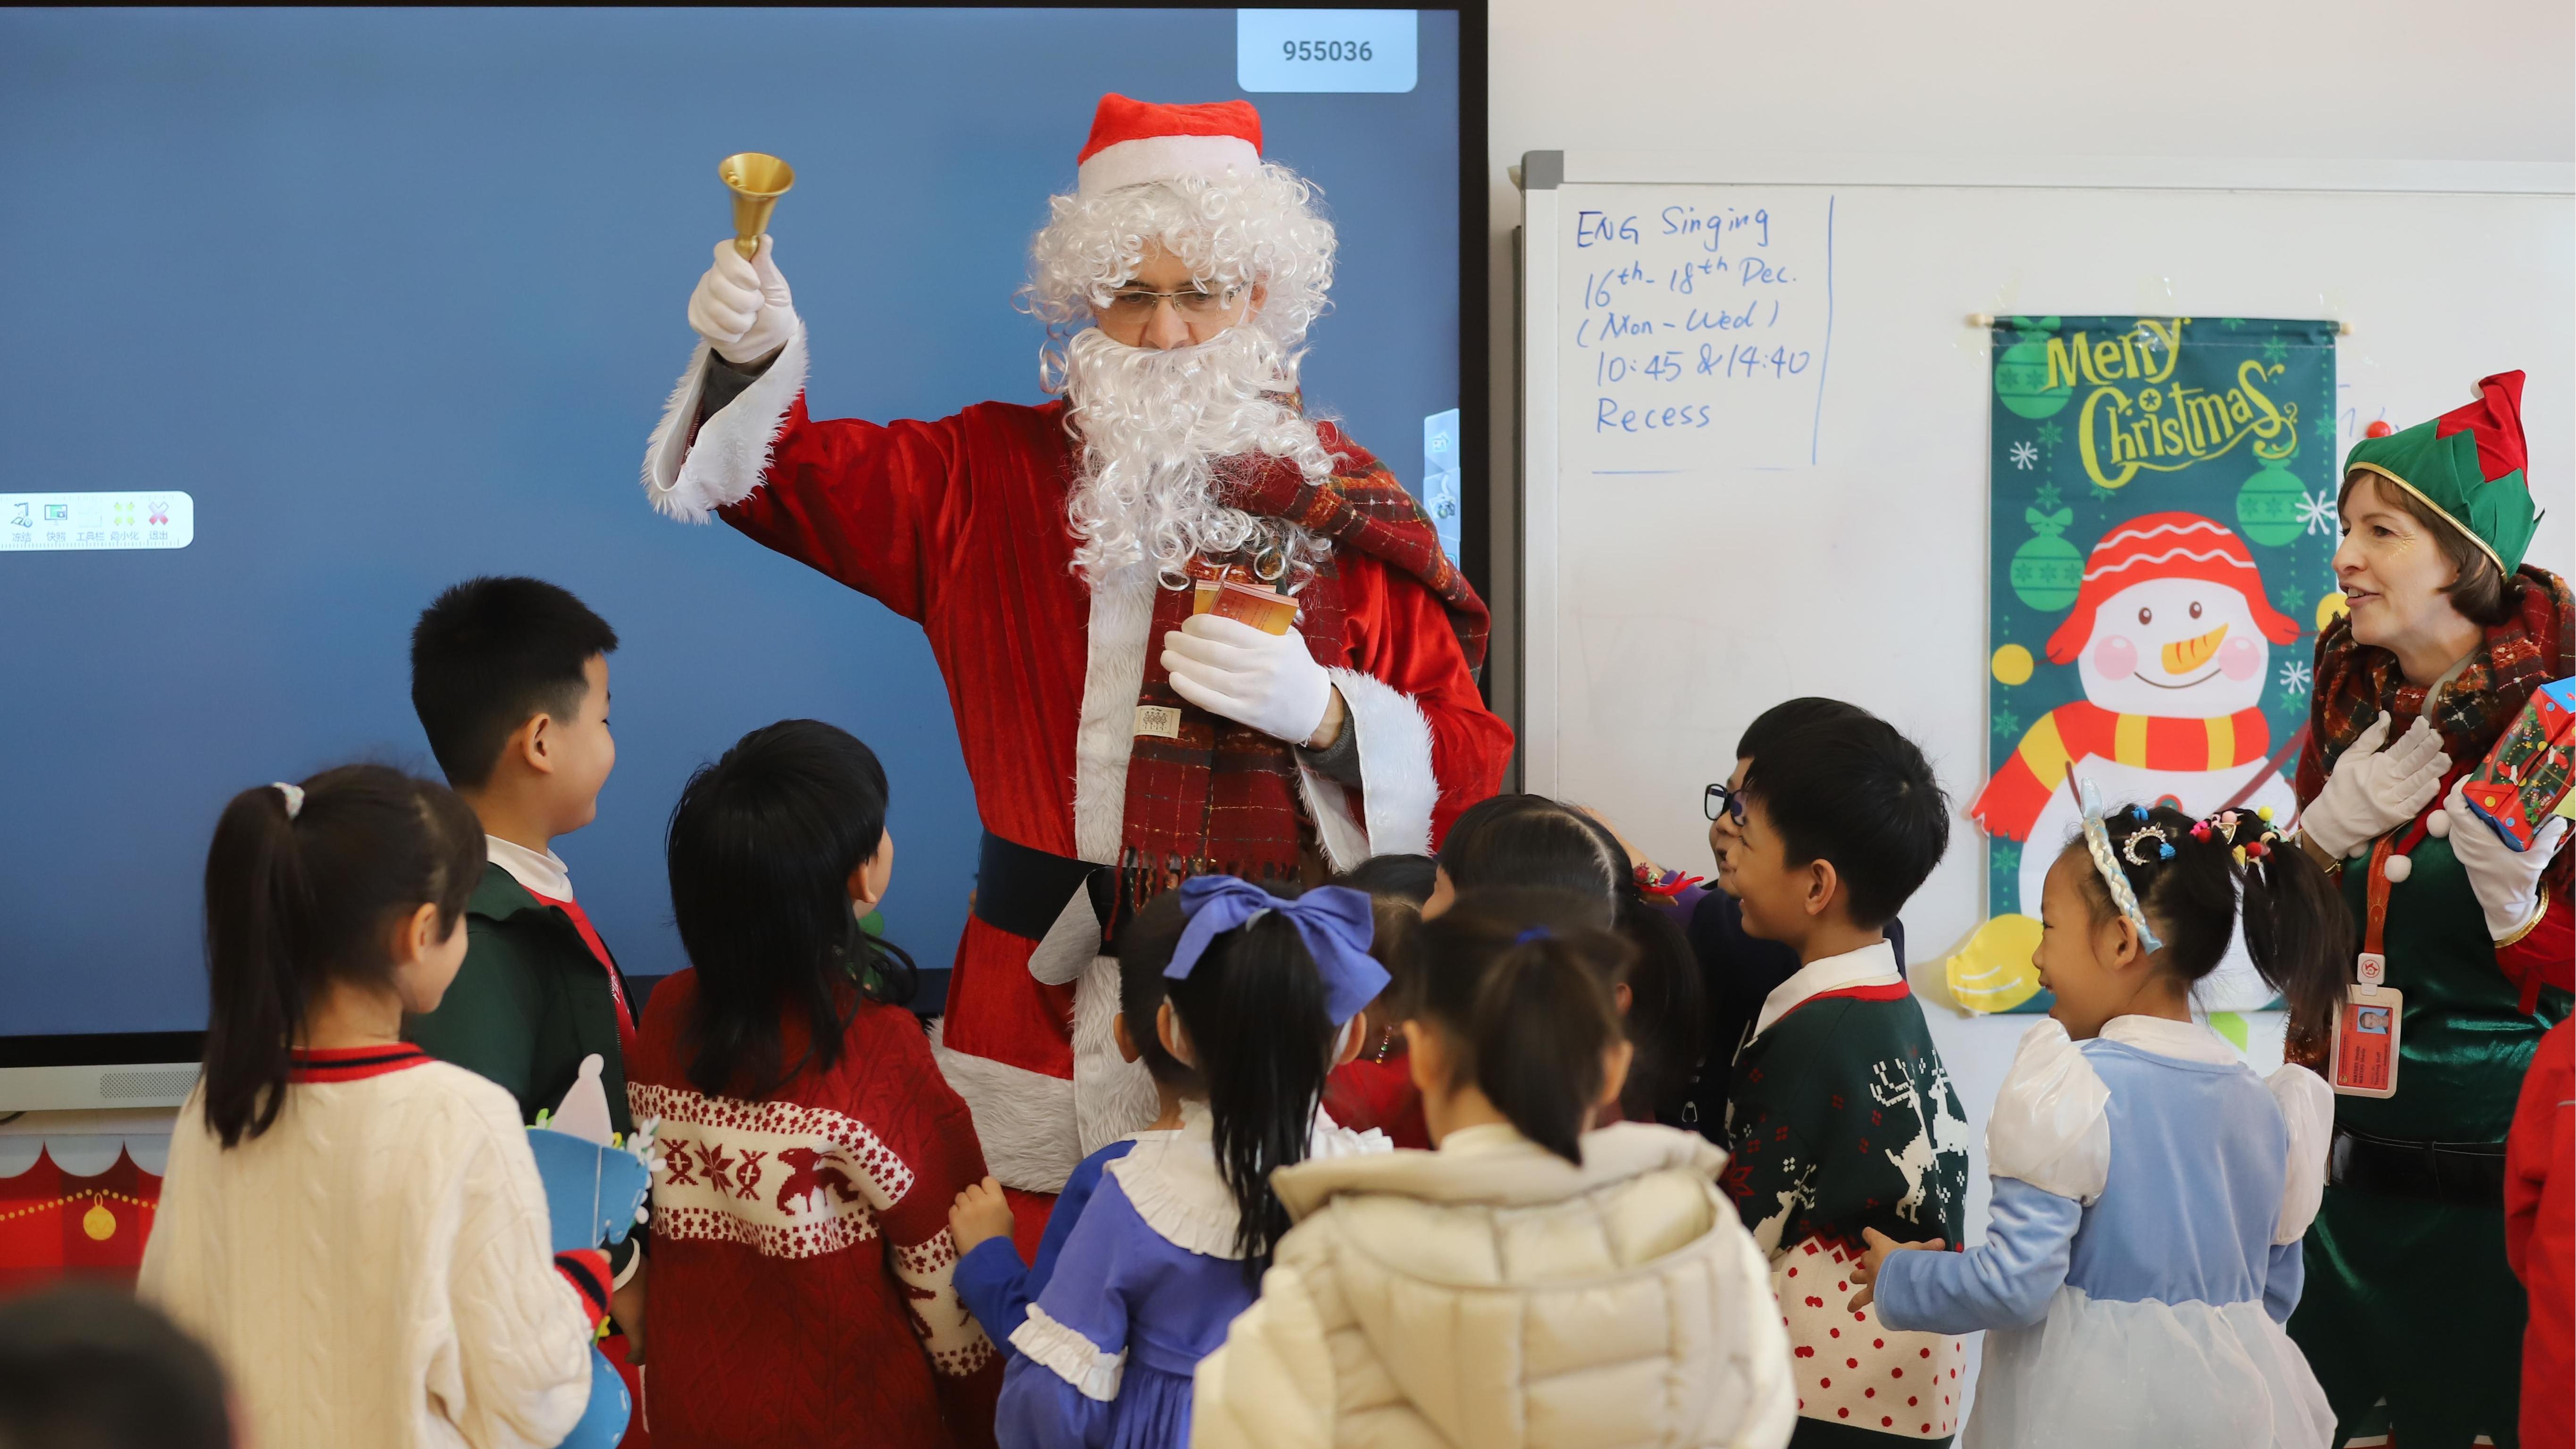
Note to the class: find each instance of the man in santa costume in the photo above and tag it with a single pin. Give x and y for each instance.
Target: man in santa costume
(1118, 744)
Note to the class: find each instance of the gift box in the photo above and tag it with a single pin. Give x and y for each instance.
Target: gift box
(2524, 780)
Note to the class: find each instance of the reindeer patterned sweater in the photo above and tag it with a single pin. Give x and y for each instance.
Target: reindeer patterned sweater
(802, 1268)
(1842, 1117)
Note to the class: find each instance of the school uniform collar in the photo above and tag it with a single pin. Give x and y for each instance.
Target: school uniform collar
(2187, 1041)
(352, 1064)
(540, 873)
(1871, 965)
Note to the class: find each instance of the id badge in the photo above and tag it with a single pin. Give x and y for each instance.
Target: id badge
(2364, 1063)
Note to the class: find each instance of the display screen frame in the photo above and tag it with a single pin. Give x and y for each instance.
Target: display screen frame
(36, 1068)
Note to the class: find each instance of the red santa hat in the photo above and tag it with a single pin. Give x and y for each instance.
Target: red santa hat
(2166, 546)
(1134, 142)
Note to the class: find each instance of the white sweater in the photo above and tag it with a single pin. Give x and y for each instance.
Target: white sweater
(1494, 1295)
(375, 1269)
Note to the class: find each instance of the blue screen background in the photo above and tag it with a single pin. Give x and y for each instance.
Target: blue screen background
(397, 296)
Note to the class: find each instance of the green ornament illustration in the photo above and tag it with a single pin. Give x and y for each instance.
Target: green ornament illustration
(2048, 571)
(2021, 373)
(2267, 507)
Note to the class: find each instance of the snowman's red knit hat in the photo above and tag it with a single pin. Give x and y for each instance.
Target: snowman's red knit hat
(1133, 142)
(2166, 546)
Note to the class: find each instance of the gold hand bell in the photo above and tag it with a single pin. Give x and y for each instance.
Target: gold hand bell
(756, 181)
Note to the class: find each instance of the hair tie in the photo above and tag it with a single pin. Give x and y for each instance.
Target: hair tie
(2097, 843)
(1335, 922)
(294, 797)
(1534, 933)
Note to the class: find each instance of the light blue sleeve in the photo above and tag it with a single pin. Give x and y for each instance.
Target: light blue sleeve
(2284, 1278)
(1060, 1387)
(2004, 1282)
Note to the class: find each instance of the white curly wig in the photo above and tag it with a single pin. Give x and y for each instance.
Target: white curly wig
(1154, 423)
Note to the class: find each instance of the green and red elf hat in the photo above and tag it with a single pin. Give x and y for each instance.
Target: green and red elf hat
(2467, 464)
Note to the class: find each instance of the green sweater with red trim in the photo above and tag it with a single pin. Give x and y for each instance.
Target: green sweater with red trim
(1842, 1117)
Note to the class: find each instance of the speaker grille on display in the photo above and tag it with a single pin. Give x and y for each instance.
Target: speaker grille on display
(170, 1082)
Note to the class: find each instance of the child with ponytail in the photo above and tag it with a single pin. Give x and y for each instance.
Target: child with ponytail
(1260, 992)
(1530, 1281)
(2150, 1192)
(356, 1230)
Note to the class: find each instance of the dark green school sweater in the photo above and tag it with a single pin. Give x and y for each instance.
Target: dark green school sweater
(1842, 1117)
(528, 1004)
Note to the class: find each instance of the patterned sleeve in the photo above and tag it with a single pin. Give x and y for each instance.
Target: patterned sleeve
(937, 1138)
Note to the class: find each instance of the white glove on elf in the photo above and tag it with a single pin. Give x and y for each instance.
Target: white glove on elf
(2373, 790)
(743, 308)
(1268, 681)
(2506, 880)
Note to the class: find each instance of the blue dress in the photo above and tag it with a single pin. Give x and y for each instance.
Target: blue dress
(2150, 1195)
(1147, 1285)
(991, 1280)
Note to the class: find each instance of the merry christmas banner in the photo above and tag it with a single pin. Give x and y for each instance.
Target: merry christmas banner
(2163, 521)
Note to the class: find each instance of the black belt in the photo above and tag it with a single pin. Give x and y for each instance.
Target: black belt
(1022, 890)
(2463, 1174)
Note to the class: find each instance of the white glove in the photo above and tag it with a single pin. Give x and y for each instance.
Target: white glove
(2373, 790)
(742, 307)
(1268, 681)
(2506, 880)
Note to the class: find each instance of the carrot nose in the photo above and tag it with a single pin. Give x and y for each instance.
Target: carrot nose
(2184, 655)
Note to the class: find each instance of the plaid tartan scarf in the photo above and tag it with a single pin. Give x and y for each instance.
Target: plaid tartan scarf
(2356, 683)
(1217, 797)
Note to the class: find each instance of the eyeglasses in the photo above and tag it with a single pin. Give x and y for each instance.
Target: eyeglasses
(1134, 304)
(1722, 799)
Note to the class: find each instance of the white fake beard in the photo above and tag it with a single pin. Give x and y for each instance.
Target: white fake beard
(1154, 424)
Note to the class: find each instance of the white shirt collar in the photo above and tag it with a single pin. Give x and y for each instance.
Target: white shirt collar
(2187, 1041)
(1871, 965)
(1485, 1137)
(542, 872)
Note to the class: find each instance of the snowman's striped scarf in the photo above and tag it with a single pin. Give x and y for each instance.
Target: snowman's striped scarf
(2011, 802)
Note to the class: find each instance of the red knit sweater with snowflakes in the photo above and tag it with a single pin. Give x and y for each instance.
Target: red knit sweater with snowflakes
(801, 1287)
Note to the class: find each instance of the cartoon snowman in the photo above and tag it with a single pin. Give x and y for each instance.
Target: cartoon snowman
(2172, 636)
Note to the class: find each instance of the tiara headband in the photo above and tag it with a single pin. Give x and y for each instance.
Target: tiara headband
(1335, 922)
(2097, 843)
(294, 797)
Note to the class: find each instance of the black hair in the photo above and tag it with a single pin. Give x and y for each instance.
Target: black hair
(1855, 792)
(760, 851)
(295, 903)
(1519, 983)
(488, 655)
(88, 1367)
(1253, 1010)
(1144, 949)
(1533, 842)
(2297, 931)
(1791, 716)
(1407, 878)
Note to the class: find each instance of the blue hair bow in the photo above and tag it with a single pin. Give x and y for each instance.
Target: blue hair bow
(1333, 921)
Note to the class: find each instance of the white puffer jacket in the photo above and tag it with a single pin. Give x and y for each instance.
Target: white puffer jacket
(1492, 1294)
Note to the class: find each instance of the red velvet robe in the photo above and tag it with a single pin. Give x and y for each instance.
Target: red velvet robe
(959, 524)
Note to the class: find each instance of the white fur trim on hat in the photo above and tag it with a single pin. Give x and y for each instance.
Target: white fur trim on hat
(1166, 158)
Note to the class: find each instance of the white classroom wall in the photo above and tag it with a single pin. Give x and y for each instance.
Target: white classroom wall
(2479, 80)
(2006, 79)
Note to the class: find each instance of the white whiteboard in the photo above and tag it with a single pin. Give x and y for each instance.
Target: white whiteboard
(1803, 509)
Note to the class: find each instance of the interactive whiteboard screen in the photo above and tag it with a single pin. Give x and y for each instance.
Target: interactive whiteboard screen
(319, 311)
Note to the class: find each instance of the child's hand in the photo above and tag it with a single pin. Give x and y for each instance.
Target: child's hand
(1865, 1272)
(980, 1215)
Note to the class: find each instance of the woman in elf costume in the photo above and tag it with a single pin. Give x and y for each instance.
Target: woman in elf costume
(2409, 1299)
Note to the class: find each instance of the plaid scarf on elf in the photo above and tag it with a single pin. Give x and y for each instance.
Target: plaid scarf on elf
(2356, 683)
(1219, 797)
